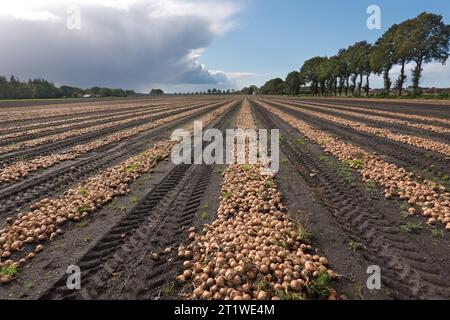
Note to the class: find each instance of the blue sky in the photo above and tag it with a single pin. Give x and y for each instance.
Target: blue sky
(273, 37)
(189, 45)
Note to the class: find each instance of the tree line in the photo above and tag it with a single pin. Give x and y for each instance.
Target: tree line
(44, 89)
(420, 40)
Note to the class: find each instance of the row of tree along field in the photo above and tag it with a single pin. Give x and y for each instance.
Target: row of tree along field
(421, 40)
(43, 89)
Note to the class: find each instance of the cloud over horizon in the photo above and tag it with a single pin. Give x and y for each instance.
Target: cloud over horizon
(121, 43)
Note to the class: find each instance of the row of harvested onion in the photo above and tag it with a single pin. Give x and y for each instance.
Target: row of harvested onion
(47, 216)
(413, 140)
(422, 118)
(69, 119)
(21, 169)
(79, 132)
(252, 250)
(42, 112)
(48, 127)
(365, 115)
(426, 197)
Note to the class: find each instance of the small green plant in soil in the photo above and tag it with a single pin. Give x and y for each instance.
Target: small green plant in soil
(304, 234)
(355, 163)
(320, 285)
(354, 246)
(226, 194)
(147, 177)
(84, 191)
(262, 284)
(82, 224)
(133, 167)
(121, 209)
(270, 183)
(371, 185)
(345, 173)
(84, 209)
(167, 289)
(288, 295)
(300, 142)
(437, 233)
(10, 271)
(134, 199)
(411, 227)
(204, 215)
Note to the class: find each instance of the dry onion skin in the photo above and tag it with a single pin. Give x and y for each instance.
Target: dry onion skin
(430, 199)
(44, 222)
(252, 250)
(413, 140)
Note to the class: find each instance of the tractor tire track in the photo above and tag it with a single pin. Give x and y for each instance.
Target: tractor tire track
(151, 225)
(407, 156)
(408, 270)
(18, 196)
(52, 147)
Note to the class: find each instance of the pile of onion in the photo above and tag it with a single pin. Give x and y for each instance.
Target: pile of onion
(252, 250)
(431, 199)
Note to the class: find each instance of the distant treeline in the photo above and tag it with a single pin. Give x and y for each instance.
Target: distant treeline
(421, 40)
(43, 89)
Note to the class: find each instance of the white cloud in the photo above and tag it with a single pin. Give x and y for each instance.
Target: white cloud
(121, 43)
(218, 13)
(240, 75)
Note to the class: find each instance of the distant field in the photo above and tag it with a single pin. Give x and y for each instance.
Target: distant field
(45, 102)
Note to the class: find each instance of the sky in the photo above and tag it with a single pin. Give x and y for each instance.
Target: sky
(190, 45)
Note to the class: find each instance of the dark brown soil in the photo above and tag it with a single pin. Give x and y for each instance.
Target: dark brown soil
(355, 227)
(118, 264)
(349, 221)
(392, 105)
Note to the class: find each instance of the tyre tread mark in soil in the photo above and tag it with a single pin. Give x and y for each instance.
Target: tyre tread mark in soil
(100, 120)
(51, 147)
(17, 197)
(71, 117)
(439, 111)
(402, 154)
(160, 212)
(401, 262)
(396, 128)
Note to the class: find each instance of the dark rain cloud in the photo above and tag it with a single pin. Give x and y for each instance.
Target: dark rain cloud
(131, 48)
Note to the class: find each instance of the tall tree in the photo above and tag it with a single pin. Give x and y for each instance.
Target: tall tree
(430, 38)
(293, 82)
(309, 73)
(273, 86)
(343, 71)
(403, 50)
(383, 56)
